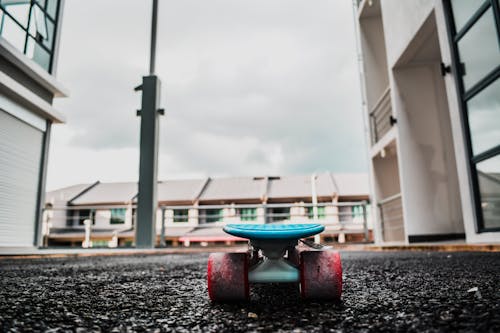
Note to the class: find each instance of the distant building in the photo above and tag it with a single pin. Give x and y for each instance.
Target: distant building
(193, 211)
(29, 42)
(430, 73)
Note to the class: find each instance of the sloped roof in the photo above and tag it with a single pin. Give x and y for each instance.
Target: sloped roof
(180, 190)
(300, 186)
(351, 184)
(236, 188)
(65, 194)
(223, 189)
(289, 186)
(104, 193)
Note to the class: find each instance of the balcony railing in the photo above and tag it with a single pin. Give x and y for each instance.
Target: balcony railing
(391, 218)
(94, 223)
(381, 119)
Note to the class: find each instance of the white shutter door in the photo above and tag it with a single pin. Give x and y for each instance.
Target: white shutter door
(20, 154)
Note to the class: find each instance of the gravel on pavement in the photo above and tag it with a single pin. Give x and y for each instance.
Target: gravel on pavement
(383, 291)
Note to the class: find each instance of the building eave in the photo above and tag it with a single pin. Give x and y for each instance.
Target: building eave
(32, 69)
(24, 96)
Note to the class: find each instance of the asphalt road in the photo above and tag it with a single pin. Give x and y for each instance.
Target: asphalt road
(387, 291)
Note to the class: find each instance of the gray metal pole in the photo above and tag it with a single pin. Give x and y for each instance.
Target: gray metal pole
(154, 24)
(162, 235)
(147, 202)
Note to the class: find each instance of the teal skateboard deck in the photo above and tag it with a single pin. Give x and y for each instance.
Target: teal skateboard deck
(273, 231)
(275, 256)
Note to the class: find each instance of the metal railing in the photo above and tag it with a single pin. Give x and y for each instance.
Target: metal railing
(391, 218)
(381, 119)
(76, 222)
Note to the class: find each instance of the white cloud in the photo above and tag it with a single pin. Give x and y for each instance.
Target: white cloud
(249, 87)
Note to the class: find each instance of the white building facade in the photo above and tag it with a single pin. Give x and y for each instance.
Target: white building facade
(430, 75)
(29, 42)
(195, 210)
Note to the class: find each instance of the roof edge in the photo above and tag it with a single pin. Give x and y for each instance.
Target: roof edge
(85, 190)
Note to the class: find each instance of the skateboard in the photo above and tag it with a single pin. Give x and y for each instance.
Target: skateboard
(276, 254)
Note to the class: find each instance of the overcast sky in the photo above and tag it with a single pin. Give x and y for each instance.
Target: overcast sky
(250, 87)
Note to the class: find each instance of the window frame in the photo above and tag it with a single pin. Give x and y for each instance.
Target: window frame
(247, 214)
(54, 20)
(180, 218)
(113, 219)
(466, 95)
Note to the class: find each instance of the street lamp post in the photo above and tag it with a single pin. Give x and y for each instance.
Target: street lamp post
(147, 202)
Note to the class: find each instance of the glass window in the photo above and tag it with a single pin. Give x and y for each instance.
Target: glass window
(484, 118)
(20, 12)
(321, 212)
(280, 214)
(30, 27)
(38, 54)
(85, 214)
(463, 10)
(357, 211)
(248, 214)
(12, 32)
(479, 49)
(213, 215)
(117, 216)
(488, 173)
(52, 8)
(181, 215)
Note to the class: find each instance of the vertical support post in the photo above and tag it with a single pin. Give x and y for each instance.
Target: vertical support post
(42, 178)
(147, 202)
(162, 234)
(382, 224)
(365, 221)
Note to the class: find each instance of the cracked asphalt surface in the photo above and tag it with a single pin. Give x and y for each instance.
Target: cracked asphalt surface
(383, 291)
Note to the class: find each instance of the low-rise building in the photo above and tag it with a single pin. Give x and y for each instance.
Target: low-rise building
(194, 211)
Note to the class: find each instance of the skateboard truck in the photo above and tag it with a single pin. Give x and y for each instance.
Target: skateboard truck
(272, 267)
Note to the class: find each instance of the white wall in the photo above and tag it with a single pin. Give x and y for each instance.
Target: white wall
(402, 19)
(374, 58)
(429, 180)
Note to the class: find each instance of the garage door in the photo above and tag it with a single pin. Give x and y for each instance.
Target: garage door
(20, 154)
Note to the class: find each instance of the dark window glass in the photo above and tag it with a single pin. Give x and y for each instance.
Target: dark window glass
(463, 11)
(181, 215)
(488, 173)
(85, 214)
(117, 216)
(321, 212)
(484, 118)
(213, 215)
(280, 214)
(248, 214)
(479, 49)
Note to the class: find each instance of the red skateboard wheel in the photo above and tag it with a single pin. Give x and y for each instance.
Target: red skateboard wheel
(227, 277)
(320, 275)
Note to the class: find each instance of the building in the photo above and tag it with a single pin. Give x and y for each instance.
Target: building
(430, 75)
(194, 211)
(29, 43)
